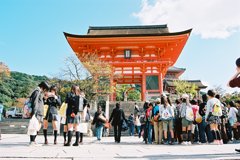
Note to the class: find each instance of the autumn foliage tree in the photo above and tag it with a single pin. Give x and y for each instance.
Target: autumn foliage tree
(91, 74)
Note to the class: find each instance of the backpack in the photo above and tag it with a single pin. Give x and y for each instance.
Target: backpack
(27, 109)
(165, 114)
(189, 114)
(149, 114)
(198, 118)
(217, 110)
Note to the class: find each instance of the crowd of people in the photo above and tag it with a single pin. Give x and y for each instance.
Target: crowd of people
(188, 121)
(162, 121)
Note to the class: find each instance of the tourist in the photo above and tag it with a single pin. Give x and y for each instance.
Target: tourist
(213, 114)
(166, 115)
(99, 120)
(131, 124)
(82, 103)
(186, 113)
(149, 124)
(73, 116)
(195, 129)
(235, 80)
(54, 102)
(232, 118)
(117, 117)
(37, 103)
(202, 125)
(158, 125)
(138, 125)
(136, 109)
(69, 101)
(178, 121)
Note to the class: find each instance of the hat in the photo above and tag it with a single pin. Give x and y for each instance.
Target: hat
(185, 96)
(164, 95)
(158, 100)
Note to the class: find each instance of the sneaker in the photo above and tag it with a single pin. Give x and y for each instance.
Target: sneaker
(184, 143)
(189, 143)
(34, 144)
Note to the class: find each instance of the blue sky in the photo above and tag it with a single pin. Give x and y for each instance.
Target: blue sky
(32, 40)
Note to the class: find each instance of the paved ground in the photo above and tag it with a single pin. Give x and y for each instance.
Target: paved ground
(15, 147)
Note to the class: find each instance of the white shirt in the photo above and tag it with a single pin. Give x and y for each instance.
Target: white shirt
(210, 104)
(233, 113)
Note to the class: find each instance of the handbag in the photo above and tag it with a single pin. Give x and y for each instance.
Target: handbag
(33, 126)
(107, 125)
(124, 126)
(156, 118)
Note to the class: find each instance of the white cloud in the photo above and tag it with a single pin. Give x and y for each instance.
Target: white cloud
(208, 18)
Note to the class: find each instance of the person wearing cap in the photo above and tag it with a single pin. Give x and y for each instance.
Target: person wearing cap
(235, 81)
(37, 107)
(186, 122)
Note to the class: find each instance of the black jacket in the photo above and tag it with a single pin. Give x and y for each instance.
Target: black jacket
(117, 116)
(53, 104)
(73, 103)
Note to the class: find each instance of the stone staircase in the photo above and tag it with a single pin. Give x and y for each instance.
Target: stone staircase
(18, 126)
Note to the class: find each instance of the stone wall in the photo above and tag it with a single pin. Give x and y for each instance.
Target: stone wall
(128, 107)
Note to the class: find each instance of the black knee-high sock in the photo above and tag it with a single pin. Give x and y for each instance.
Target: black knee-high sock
(35, 137)
(235, 133)
(31, 138)
(189, 135)
(65, 136)
(77, 137)
(55, 135)
(81, 137)
(219, 137)
(184, 135)
(69, 136)
(214, 134)
(45, 134)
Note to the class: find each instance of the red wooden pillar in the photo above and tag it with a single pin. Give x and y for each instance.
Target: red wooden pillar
(143, 87)
(160, 82)
(112, 89)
